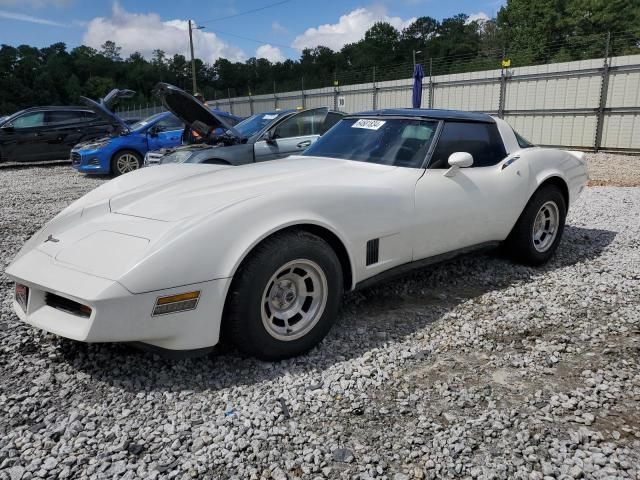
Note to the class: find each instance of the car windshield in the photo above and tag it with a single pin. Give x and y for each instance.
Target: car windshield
(146, 121)
(400, 142)
(252, 125)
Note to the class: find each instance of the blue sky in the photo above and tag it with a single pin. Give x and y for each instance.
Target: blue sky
(277, 32)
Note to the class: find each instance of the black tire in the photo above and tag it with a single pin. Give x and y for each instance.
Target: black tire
(520, 244)
(116, 167)
(243, 323)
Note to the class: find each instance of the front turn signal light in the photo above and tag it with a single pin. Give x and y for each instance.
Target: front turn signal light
(176, 303)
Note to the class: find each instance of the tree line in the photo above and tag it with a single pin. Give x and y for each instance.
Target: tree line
(526, 32)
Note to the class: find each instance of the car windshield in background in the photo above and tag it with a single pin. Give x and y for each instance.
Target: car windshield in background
(389, 141)
(146, 121)
(252, 125)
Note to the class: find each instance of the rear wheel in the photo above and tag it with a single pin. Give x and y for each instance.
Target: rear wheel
(125, 161)
(538, 231)
(285, 296)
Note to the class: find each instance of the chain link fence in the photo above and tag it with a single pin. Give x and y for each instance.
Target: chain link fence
(578, 92)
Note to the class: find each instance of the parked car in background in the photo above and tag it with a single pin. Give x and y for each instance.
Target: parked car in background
(172, 256)
(247, 128)
(264, 136)
(48, 133)
(124, 150)
(153, 156)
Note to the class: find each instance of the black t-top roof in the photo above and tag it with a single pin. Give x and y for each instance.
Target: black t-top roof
(435, 114)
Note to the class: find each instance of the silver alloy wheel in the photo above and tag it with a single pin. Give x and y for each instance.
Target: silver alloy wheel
(127, 162)
(545, 226)
(294, 300)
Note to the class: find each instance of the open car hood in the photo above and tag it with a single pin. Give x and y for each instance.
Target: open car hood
(190, 110)
(103, 109)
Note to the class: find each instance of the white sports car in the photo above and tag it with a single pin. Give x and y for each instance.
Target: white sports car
(175, 256)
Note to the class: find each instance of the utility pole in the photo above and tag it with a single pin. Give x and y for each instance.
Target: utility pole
(193, 61)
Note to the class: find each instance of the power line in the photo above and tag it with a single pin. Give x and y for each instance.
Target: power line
(246, 12)
(252, 39)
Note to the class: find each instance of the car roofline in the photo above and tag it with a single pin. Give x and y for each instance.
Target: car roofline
(427, 114)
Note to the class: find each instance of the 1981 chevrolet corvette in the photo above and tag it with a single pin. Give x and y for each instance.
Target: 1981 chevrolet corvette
(176, 255)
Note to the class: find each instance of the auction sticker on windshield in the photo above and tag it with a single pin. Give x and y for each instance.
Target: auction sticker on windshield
(368, 124)
(269, 116)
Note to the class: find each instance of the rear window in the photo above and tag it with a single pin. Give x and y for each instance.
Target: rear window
(399, 142)
(523, 142)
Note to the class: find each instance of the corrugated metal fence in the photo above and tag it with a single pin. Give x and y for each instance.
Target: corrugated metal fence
(589, 104)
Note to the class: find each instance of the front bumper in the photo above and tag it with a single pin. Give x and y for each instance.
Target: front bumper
(153, 158)
(91, 161)
(117, 315)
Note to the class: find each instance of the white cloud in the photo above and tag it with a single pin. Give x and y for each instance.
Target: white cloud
(29, 18)
(271, 53)
(279, 28)
(144, 33)
(477, 17)
(350, 28)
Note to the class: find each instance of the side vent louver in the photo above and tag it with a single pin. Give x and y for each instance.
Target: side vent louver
(373, 246)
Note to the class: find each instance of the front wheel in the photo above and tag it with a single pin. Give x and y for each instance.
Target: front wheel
(124, 162)
(536, 235)
(285, 296)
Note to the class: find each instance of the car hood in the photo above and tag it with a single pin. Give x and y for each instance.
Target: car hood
(177, 192)
(101, 110)
(81, 145)
(190, 110)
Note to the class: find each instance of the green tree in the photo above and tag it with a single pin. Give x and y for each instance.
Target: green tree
(98, 87)
(111, 51)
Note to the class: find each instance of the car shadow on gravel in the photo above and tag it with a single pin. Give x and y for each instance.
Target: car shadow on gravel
(369, 319)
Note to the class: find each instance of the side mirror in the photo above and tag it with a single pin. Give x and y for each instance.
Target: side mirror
(270, 136)
(7, 127)
(458, 160)
(153, 131)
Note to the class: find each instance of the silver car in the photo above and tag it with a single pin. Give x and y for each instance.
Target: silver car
(261, 137)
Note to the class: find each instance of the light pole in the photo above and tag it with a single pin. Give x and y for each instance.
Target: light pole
(193, 61)
(414, 56)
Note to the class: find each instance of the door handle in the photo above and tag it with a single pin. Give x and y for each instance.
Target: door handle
(304, 144)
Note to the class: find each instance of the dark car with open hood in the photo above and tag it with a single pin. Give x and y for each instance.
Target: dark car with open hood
(49, 133)
(260, 137)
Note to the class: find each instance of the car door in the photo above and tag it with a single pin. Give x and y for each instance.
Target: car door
(65, 129)
(24, 138)
(469, 206)
(166, 133)
(292, 135)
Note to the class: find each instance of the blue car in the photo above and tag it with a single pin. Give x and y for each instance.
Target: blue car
(123, 151)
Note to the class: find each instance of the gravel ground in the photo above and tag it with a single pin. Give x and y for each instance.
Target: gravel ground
(613, 169)
(474, 369)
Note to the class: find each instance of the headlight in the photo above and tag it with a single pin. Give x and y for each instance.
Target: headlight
(94, 145)
(176, 157)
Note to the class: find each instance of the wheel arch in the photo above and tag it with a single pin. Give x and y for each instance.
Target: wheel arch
(334, 241)
(560, 183)
(216, 161)
(124, 149)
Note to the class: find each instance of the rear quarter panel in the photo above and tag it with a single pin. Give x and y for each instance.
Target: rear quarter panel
(545, 163)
